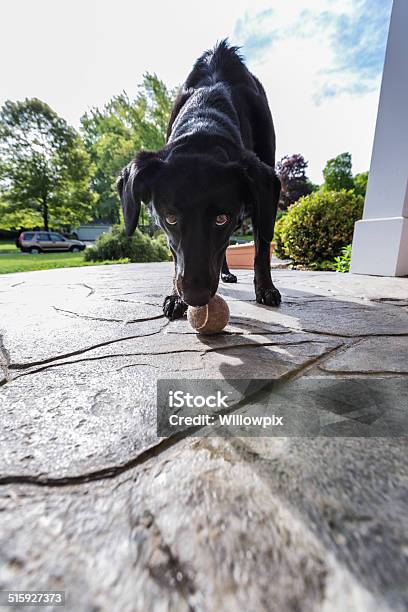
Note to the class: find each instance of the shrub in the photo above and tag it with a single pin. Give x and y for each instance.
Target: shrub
(318, 226)
(342, 263)
(161, 238)
(280, 247)
(116, 245)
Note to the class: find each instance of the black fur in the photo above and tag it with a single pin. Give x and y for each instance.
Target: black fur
(219, 159)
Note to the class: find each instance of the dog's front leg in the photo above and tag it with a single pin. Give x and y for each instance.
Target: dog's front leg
(173, 305)
(265, 291)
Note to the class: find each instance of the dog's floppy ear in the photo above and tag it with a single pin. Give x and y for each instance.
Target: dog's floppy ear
(135, 185)
(263, 189)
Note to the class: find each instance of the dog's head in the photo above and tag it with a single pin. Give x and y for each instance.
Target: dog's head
(198, 201)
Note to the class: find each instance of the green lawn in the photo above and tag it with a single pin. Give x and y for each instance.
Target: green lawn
(248, 237)
(24, 262)
(7, 246)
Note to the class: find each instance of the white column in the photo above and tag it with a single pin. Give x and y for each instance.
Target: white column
(380, 242)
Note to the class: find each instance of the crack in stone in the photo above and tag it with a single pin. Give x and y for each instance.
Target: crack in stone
(144, 320)
(71, 314)
(101, 357)
(365, 335)
(89, 317)
(103, 474)
(391, 301)
(25, 366)
(142, 302)
(134, 365)
(377, 373)
(342, 303)
(91, 289)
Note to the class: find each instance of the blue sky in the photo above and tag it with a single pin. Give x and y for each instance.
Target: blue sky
(319, 60)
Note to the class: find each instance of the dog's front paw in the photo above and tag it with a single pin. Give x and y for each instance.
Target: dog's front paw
(174, 307)
(269, 296)
(228, 277)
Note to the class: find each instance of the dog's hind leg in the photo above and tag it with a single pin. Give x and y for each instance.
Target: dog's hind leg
(268, 190)
(263, 224)
(226, 275)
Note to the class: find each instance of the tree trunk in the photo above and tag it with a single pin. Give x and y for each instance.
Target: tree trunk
(45, 214)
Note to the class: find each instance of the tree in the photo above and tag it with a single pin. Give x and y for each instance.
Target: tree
(295, 184)
(360, 183)
(116, 133)
(44, 168)
(337, 173)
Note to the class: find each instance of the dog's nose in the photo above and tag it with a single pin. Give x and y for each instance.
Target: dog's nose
(195, 288)
(196, 298)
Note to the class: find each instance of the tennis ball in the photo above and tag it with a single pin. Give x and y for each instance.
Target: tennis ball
(211, 318)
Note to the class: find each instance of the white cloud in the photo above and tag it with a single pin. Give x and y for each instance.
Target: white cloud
(321, 107)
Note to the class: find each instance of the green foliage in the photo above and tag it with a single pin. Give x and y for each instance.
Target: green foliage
(342, 263)
(317, 227)
(280, 213)
(13, 216)
(325, 266)
(337, 173)
(116, 245)
(161, 238)
(360, 183)
(277, 237)
(313, 187)
(44, 168)
(116, 133)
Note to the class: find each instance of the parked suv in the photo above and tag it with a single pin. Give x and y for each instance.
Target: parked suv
(41, 242)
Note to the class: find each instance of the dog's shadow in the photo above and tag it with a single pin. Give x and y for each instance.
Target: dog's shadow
(303, 317)
(268, 357)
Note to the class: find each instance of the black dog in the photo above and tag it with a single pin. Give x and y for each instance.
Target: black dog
(216, 168)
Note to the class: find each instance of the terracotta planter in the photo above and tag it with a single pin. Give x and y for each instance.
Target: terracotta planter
(242, 255)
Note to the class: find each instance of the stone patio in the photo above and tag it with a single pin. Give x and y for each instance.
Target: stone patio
(94, 503)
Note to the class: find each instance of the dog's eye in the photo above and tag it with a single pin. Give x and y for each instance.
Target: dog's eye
(171, 219)
(221, 219)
